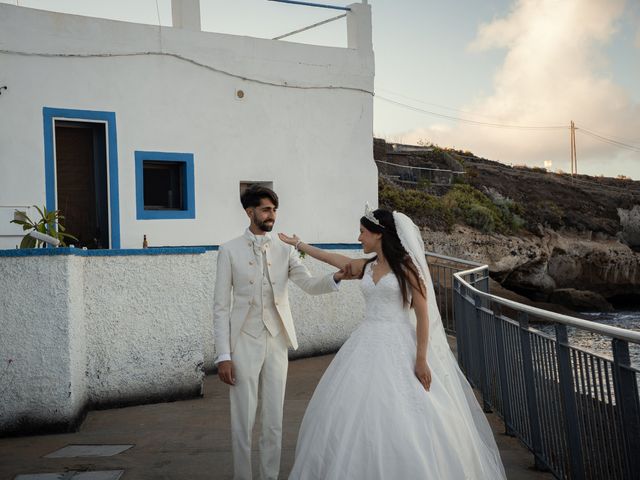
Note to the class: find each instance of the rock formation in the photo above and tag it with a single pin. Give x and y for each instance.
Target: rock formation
(574, 270)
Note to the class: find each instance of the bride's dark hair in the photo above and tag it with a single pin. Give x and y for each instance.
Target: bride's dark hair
(398, 258)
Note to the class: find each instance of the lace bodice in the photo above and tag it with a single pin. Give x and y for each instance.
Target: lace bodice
(383, 300)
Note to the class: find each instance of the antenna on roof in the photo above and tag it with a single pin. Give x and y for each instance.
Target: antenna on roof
(319, 5)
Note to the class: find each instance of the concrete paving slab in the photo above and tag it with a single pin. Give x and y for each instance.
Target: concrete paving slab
(99, 475)
(191, 439)
(44, 476)
(88, 451)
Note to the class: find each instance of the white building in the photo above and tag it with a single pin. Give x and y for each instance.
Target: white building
(133, 129)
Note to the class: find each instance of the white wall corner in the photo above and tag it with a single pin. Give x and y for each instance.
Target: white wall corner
(186, 14)
(359, 32)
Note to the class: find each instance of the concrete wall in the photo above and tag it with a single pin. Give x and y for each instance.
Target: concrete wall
(85, 329)
(304, 123)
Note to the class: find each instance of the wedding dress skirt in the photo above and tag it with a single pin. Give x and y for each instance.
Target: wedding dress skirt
(370, 418)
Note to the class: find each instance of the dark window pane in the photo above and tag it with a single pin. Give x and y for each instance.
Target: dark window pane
(163, 185)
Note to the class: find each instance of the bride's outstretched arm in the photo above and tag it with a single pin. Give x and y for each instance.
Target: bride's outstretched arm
(422, 370)
(335, 259)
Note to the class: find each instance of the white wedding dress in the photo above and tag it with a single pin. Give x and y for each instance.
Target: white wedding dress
(370, 418)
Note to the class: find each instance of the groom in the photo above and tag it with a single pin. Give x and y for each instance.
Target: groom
(252, 337)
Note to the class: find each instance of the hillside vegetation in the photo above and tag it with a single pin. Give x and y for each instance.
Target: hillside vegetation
(497, 198)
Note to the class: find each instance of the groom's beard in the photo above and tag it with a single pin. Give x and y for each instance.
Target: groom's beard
(265, 226)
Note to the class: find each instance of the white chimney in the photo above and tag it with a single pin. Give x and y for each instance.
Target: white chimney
(186, 14)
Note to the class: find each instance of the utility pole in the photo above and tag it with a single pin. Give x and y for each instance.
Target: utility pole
(574, 155)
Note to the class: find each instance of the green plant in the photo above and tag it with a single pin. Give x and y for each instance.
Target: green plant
(552, 214)
(426, 210)
(478, 210)
(424, 183)
(480, 217)
(49, 224)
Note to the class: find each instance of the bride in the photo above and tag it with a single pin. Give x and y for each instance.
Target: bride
(393, 403)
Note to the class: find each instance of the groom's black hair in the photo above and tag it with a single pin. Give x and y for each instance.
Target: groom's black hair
(251, 196)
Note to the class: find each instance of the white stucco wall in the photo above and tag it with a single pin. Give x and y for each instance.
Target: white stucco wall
(85, 330)
(305, 122)
(42, 348)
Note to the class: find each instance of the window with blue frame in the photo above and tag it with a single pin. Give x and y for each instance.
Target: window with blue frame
(164, 185)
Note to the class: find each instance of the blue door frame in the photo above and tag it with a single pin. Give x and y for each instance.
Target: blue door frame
(109, 118)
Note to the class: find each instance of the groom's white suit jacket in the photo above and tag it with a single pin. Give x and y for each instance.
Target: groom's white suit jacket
(237, 273)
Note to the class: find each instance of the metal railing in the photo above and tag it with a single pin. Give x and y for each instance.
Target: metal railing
(442, 269)
(576, 410)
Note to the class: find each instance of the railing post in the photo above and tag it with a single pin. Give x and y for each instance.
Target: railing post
(459, 319)
(483, 376)
(532, 399)
(468, 339)
(626, 390)
(568, 395)
(502, 373)
(471, 335)
(483, 284)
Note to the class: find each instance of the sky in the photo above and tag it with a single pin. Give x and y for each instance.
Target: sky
(444, 69)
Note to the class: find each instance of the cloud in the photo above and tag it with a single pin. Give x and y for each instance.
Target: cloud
(555, 70)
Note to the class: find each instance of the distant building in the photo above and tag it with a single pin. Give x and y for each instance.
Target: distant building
(136, 130)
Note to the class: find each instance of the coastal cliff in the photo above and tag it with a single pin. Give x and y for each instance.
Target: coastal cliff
(553, 238)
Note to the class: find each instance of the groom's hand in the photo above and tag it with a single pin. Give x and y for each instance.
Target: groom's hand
(350, 271)
(225, 372)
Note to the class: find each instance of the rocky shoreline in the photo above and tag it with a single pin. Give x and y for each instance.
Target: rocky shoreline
(564, 243)
(554, 268)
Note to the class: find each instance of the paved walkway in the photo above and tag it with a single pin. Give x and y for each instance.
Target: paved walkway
(190, 439)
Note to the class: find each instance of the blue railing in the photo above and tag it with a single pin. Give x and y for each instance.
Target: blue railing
(578, 411)
(442, 269)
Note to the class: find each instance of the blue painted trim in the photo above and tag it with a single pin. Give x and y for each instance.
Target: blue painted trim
(325, 246)
(188, 186)
(31, 252)
(338, 246)
(48, 117)
(48, 252)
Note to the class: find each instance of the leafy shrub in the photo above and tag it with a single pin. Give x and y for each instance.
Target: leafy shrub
(477, 210)
(463, 203)
(423, 183)
(424, 209)
(552, 214)
(480, 217)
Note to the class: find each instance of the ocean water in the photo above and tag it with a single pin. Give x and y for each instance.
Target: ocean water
(601, 345)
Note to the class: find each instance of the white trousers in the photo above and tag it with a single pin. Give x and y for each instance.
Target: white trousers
(261, 371)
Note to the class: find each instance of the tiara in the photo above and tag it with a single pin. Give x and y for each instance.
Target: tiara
(368, 214)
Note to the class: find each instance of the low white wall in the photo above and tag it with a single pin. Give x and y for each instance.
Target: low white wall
(104, 328)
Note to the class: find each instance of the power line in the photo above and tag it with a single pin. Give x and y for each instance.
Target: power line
(304, 29)
(425, 103)
(620, 139)
(184, 59)
(597, 136)
(473, 122)
(608, 140)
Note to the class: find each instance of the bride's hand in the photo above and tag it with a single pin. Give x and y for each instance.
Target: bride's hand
(354, 268)
(423, 373)
(289, 240)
